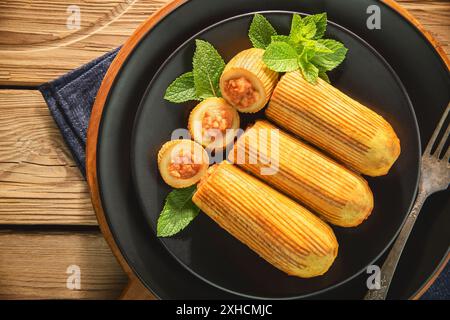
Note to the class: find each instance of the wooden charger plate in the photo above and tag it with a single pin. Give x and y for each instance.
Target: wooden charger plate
(108, 83)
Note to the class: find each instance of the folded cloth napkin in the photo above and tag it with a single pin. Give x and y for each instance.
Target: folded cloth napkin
(70, 99)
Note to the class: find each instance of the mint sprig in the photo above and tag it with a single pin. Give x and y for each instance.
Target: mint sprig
(261, 32)
(182, 89)
(320, 21)
(303, 49)
(329, 60)
(301, 29)
(309, 71)
(281, 57)
(208, 66)
(323, 75)
(203, 81)
(178, 212)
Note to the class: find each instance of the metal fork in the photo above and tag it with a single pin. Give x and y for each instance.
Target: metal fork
(434, 177)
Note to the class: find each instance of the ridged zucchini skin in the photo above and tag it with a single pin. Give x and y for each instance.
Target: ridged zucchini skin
(338, 195)
(334, 122)
(277, 228)
(250, 64)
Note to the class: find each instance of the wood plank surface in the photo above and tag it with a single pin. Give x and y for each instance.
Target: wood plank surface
(34, 265)
(39, 181)
(36, 44)
(434, 17)
(39, 40)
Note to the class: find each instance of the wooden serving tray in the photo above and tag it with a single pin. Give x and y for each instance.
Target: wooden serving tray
(135, 289)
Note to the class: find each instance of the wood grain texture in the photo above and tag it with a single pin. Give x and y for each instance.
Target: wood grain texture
(38, 40)
(33, 265)
(39, 181)
(431, 18)
(135, 290)
(37, 46)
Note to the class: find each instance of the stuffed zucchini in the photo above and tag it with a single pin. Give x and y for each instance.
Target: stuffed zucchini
(213, 122)
(334, 122)
(246, 82)
(182, 163)
(338, 195)
(277, 228)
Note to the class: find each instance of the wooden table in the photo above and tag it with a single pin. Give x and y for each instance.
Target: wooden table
(47, 223)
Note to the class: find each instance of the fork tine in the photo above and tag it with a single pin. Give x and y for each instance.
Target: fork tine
(446, 156)
(436, 131)
(442, 142)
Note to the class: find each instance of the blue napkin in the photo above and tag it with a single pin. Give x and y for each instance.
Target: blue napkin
(70, 99)
(440, 290)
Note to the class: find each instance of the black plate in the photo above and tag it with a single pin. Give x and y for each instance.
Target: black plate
(222, 260)
(427, 84)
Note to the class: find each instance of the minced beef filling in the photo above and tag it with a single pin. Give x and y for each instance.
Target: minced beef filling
(241, 92)
(183, 165)
(216, 121)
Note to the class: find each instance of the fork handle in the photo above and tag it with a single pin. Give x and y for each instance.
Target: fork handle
(389, 266)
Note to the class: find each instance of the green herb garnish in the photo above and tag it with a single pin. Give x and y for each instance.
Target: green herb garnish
(281, 57)
(208, 66)
(303, 49)
(329, 60)
(203, 81)
(261, 32)
(178, 212)
(182, 89)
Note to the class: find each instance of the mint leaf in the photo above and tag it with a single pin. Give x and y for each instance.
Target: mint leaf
(178, 212)
(302, 29)
(207, 68)
(281, 57)
(261, 31)
(317, 46)
(324, 76)
(308, 53)
(281, 38)
(309, 71)
(308, 30)
(296, 26)
(304, 49)
(320, 22)
(329, 61)
(182, 89)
